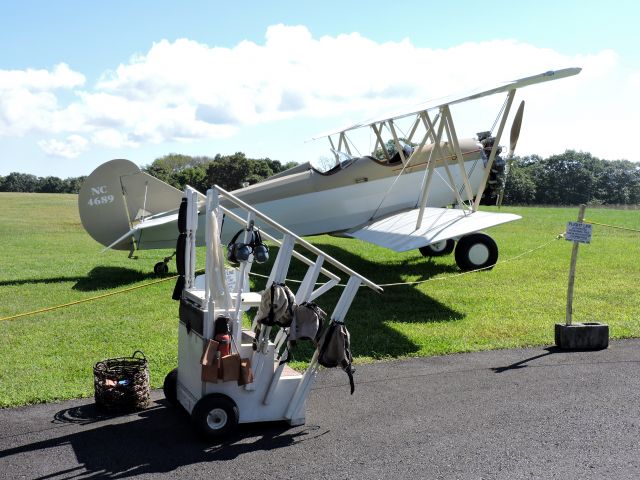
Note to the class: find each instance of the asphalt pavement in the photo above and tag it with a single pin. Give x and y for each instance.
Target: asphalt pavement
(510, 414)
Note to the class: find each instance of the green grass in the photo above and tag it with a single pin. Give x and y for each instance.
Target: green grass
(49, 260)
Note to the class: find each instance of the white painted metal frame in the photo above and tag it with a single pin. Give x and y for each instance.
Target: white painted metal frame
(272, 396)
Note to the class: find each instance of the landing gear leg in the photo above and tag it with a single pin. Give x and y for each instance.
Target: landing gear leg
(438, 249)
(132, 251)
(162, 268)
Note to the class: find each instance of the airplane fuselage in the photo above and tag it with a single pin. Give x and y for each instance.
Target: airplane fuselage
(312, 203)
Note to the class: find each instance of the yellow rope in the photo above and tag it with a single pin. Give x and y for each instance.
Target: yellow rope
(612, 226)
(447, 277)
(48, 309)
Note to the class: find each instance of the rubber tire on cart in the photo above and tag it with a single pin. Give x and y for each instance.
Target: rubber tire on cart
(438, 249)
(476, 251)
(215, 416)
(161, 269)
(170, 387)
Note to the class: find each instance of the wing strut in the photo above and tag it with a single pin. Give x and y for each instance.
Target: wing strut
(494, 149)
(451, 134)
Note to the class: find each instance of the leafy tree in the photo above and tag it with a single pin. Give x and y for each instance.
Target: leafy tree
(565, 179)
(194, 176)
(19, 182)
(73, 184)
(50, 185)
(229, 172)
(571, 178)
(287, 166)
(520, 187)
(168, 167)
(619, 183)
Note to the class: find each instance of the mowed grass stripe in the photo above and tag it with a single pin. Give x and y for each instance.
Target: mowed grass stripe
(48, 260)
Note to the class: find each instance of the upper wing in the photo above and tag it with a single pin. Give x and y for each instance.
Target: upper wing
(397, 232)
(433, 104)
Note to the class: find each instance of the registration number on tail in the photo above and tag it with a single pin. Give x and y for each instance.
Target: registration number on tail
(101, 196)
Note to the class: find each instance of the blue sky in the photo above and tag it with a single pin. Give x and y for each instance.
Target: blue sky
(83, 82)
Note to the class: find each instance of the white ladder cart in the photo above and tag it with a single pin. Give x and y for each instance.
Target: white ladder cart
(277, 391)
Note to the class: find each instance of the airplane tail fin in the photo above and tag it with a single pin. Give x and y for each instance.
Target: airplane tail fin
(118, 195)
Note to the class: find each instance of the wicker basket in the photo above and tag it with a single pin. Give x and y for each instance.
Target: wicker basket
(122, 384)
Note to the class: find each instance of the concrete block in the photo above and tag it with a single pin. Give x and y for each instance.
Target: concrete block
(582, 336)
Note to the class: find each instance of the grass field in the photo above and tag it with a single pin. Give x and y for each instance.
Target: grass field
(49, 260)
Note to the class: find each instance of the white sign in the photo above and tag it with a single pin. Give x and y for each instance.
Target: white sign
(231, 276)
(578, 232)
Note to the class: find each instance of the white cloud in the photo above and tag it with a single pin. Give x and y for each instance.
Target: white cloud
(61, 77)
(28, 102)
(72, 147)
(634, 80)
(184, 90)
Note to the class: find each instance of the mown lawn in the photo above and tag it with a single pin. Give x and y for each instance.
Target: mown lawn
(49, 260)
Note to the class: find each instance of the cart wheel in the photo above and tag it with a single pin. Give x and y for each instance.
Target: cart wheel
(170, 387)
(161, 269)
(438, 249)
(215, 416)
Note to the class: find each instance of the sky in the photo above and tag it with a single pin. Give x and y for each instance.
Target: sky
(85, 82)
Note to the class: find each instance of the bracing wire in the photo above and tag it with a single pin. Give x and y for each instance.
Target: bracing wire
(499, 114)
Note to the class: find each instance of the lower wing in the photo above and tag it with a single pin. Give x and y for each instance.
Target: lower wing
(398, 231)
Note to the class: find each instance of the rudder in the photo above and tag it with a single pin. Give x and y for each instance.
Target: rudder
(116, 196)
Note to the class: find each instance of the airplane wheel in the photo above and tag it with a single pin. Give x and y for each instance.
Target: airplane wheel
(170, 387)
(215, 416)
(476, 251)
(438, 249)
(161, 269)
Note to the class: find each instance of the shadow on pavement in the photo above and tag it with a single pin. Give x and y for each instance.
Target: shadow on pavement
(523, 363)
(156, 440)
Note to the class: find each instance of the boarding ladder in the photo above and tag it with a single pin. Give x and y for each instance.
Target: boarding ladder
(278, 392)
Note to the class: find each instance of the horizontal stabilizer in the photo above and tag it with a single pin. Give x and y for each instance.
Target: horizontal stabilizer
(398, 232)
(160, 232)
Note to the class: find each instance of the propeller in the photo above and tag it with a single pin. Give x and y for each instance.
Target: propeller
(513, 140)
(515, 129)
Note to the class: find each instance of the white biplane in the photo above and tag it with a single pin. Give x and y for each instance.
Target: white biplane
(423, 194)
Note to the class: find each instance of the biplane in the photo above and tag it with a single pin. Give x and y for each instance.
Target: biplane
(420, 189)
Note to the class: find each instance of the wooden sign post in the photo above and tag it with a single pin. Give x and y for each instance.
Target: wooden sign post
(582, 335)
(579, 235)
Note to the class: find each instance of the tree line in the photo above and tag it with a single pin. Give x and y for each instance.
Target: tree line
(25, 182)
(228, 171)
(566, 179)
(572, 178)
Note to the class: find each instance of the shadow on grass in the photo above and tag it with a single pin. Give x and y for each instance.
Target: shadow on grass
(156, 440)
(99, 278)
(104, 278)
(370, 312)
